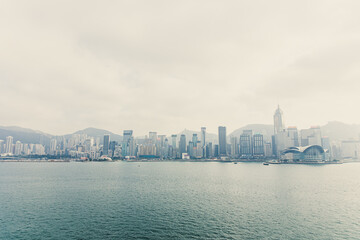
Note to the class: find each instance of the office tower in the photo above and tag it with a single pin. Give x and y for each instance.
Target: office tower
(191, 149)
(292, 137)
(9, 144)
(173, 141)
(209, 150)
(127, 143)
(182, 144)
(246, 148)
(279, 125)
(106, 144)
(194, 138)
(1, 146)
(311, 136)
(203, 136)
(222, 141)
(173, 146)
(153, 136)
(18, 148)
(258, 145)
(216, 150)
(234, 146)
(53, 146)
(112, 147)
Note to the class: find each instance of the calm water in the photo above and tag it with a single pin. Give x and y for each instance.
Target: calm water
(175, 200)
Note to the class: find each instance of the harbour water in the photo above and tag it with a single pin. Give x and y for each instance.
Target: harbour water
(176, 200)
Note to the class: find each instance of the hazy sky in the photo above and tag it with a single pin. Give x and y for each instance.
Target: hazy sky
(168, 65)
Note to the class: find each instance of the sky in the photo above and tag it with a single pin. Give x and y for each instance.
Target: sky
(169, 65)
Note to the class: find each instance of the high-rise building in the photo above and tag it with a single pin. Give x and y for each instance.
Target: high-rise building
(106, 144)
(128, 143)
(182, 144)
(234, 146)
(174, 151)
(222, 141)
(203, 140)
(246, 147)
(279, 125)
(311, 136)
(2, 146)
(18, 148)
(9, 144)
(53, 146)
(292, 137)
(258, 145)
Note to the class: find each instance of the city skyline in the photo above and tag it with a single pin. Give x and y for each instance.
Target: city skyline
(142, 65)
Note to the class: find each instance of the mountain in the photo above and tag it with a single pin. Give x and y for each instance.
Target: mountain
(266, 129)
(340, 131)
(95, 132)
(24, 135)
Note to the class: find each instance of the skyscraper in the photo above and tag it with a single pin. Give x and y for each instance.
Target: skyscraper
(279, 125)
(222, 141)
(182, 144)
(106, 144)
(127, 143)
(258, 145)
(203, 141)
(246, 148)
(9, 143)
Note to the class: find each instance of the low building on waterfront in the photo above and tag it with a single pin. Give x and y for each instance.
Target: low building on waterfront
(307, 154)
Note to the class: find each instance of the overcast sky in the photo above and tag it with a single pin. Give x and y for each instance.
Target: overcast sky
(168, 65)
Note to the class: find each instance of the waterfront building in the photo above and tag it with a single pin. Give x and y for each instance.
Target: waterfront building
(307, 154)
(222, 141)
(18, 148)
(279, 125)
(53, 146)
(127, 143)
(311, 136)
(292, 137)
(182, 144)
(209, 150)
(9, 144)
(2, 147)
(234, 146)
(258, 145)
(203, 141)
(106, 144)
(246, 147)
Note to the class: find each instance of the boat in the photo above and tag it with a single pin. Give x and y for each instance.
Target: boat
(265, 163)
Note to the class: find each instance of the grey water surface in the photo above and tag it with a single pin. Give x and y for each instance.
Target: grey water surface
(178, 200)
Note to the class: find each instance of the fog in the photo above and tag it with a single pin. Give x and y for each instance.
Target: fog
(169, 65)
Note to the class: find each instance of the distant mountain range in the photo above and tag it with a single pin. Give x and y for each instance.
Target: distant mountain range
(96, 132)
(334, 130)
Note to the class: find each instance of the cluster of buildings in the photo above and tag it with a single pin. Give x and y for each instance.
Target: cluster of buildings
(286, 144)
(8, 147)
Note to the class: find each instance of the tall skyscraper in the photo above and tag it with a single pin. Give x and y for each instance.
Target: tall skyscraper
(9, 144)
(106, 144)
(127, 143)
(182, 144)
(53, 144)
(279, 125)
(246, 147)
(258, 145)
(222, 141)
(203, 141)
(173, 140)
(234, 146)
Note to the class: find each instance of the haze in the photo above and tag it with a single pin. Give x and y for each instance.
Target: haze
(168, 65)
